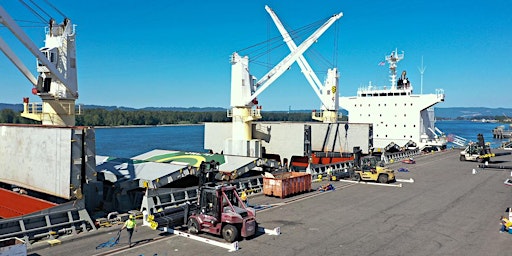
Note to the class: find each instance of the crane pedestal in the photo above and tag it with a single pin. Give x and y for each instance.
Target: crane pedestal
(59, 112)
(326, 116)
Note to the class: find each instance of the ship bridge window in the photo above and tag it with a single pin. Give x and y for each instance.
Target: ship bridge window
(396, 105)
(382, 94)
(405, 115)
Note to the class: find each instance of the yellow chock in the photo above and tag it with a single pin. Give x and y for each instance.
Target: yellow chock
(53, 242)
(153, 225)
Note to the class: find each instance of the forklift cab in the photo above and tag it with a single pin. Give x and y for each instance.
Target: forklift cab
(368, 164)
(215, 201)
(209, 204)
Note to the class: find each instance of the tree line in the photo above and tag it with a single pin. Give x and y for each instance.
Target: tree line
(102, 117)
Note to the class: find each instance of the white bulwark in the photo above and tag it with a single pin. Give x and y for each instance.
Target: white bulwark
(399, 117)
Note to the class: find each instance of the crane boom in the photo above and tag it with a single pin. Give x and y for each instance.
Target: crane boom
(282, 66)
(17, 62)
(301, 61)
(322, 91)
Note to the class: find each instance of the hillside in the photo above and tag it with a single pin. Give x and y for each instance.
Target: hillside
(445, 113)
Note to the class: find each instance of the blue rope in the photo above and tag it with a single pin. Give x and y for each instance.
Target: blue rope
(111, 242)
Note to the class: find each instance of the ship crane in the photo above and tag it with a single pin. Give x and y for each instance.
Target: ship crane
(325, 92)
(56, 83)
(245, 89)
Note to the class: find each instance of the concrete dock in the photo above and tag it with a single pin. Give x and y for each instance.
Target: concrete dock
(447, 210)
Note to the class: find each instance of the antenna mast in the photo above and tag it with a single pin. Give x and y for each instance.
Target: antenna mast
(393, 59)
(422, 70)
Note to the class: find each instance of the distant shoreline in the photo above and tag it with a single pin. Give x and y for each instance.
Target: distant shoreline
(143, 126)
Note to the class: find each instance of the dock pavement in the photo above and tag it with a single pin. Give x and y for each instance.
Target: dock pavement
(449, 209)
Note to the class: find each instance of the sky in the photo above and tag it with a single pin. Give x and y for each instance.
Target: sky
(167, 53)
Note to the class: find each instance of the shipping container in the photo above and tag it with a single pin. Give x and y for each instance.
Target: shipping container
(287, 183)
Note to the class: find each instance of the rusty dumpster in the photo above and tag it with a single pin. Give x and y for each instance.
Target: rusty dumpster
(286, 183)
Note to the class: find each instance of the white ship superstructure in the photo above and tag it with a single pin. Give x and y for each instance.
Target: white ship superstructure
(400, 118)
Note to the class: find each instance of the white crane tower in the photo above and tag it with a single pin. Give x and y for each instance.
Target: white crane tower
(245, 89)
(56, 83)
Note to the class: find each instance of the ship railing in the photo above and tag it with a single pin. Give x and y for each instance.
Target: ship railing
(253, 113)
(321, 170)
(68, 218)
(38, 108)
(397, 156)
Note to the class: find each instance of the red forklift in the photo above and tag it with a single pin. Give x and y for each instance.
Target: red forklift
(220, 211)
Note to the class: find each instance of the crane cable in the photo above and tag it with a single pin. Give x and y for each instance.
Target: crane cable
(37, 14)
(278, 40)
(33, 11)
(41, 9)
(336, 44)
(55, 8)
(297, 34)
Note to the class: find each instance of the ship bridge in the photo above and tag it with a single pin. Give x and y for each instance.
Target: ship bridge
(399, 117)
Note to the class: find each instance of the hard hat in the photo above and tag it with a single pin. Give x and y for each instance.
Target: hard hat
(131, 216)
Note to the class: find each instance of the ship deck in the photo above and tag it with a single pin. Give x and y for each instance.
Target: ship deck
(448, 210)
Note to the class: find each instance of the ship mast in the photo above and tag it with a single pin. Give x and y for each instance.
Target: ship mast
(393, 59)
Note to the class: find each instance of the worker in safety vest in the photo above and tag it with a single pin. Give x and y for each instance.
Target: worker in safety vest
(505, 224)
(329, 173)
(130, 226)
(243, 196)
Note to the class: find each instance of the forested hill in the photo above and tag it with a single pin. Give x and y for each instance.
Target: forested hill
(19, 107)
(114, 115)
(125, 117)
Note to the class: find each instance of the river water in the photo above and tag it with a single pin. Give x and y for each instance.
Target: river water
(132, 141)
